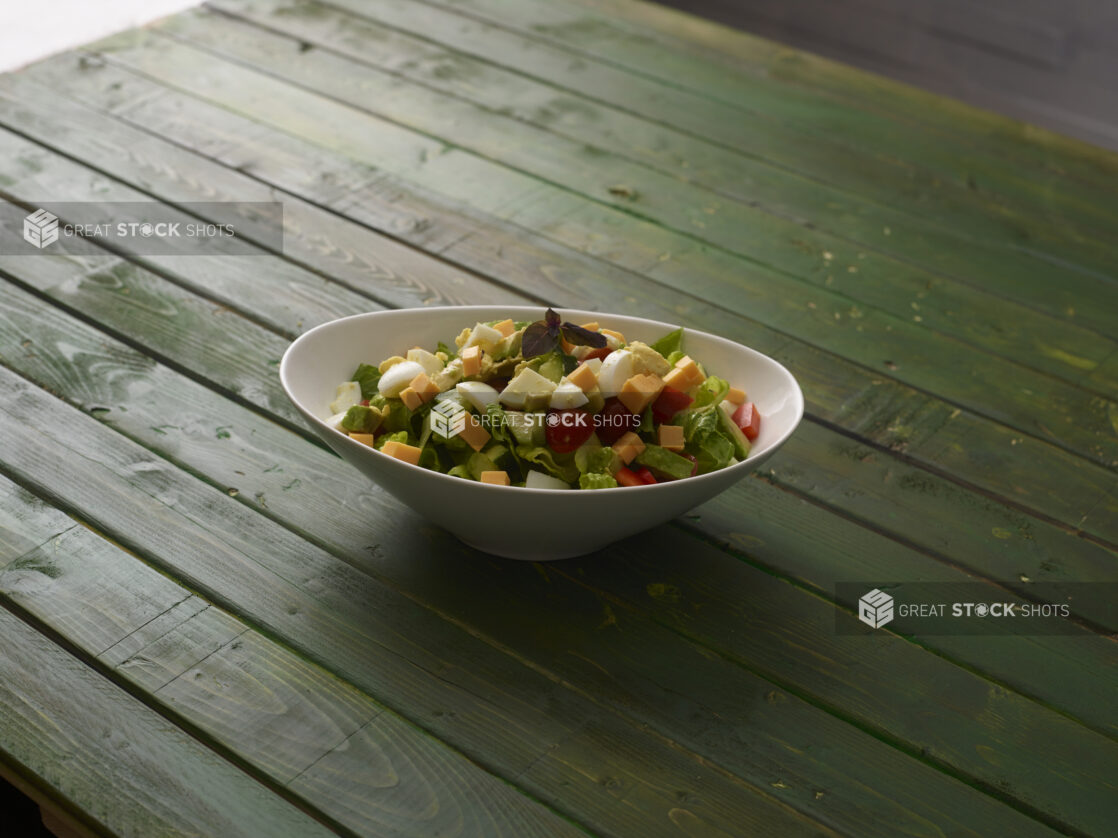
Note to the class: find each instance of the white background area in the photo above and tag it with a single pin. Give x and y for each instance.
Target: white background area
(34, 29)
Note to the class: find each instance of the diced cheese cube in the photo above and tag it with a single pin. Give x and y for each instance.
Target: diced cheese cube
(348, 394)
(639, 391)
(397, 377)
(478, 393)
(505, 327)
(584, 377)
(671, 437)
(424, 387)
(402, 451)
(497, 478)
(410, 398)
(686, 374)
(592, 326)
(484, 336)
(471, 360)
(364, 439)
(618, 338)
(431, 365)
(567, 395)
(628, 447)
(474, 433)
(736, 396)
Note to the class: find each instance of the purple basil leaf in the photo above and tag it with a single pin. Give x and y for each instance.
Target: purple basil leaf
(583, 337)
(552, 320)
(537, 340)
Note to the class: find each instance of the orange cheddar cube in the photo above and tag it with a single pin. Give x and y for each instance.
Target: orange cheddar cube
(474, 433)
(671, 437)
(685, 375)
(583, 377)
(639, 391)
(402, 451)
(424, 387)
(410, 398)
(364, 439)
(736, 396)
(628, 447)
(592, 326)
(497, 478)
(471, 361)
(620, 337)
(505, 327)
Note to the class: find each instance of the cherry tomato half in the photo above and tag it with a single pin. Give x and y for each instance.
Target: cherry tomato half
(568, 429)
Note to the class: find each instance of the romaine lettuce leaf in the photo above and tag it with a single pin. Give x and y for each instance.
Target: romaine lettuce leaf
(557, 465)
(669, 343)
(368, 377)
(597, 481)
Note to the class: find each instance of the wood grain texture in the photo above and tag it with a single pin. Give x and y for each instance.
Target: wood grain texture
(57, 720)
(942, 253)
(255, 699)
(961, 445)
(493, 707)
(1004, 391)
(297, 505)
(1063, 174)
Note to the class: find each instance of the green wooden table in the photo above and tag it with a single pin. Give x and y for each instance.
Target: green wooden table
(211, 626)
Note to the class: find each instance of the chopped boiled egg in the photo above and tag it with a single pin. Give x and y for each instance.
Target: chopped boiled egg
(567, 395)
(528, 389)
(616, 369)
(477, 393)
(484, 336)
(347, 395)
(539, 480)
(431, 364)
(397, 377)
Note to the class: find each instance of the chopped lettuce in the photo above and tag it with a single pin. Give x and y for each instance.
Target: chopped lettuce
(369, 378)
(397, 417)
(594, 458)
(477, 463)
(595, 480)
(398, 436)
(557, 465)
(665, 462)
(669, 343)
(702, 427)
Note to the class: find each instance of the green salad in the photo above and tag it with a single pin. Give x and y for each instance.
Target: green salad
(549, 405)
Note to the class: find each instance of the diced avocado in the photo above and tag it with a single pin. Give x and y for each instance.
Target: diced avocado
(665, 462)
(526, 428)
(361, 419)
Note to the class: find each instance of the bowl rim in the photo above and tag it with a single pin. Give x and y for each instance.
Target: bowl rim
(673, 485)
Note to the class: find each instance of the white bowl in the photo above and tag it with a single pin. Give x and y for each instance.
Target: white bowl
(509, 521)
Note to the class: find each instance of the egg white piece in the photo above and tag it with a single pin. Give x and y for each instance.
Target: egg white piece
(397, 377)
(616, 369)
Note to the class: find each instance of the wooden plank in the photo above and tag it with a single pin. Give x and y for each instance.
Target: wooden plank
(1024, 141)
(58, 717)
(969, 246)
(906, 791)
(493, 707)
(995, 459)
(302, 506)
(832, 469)
(964, 447)
(1002, 390)
(255, 699)
(991, 161)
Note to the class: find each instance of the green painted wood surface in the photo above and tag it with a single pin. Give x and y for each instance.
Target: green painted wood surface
(962, 446)
(1003, 165)
(650, 695)
(279, 611)
(58, 722)
(1078, 421)
(857, 224)
(295, 506)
